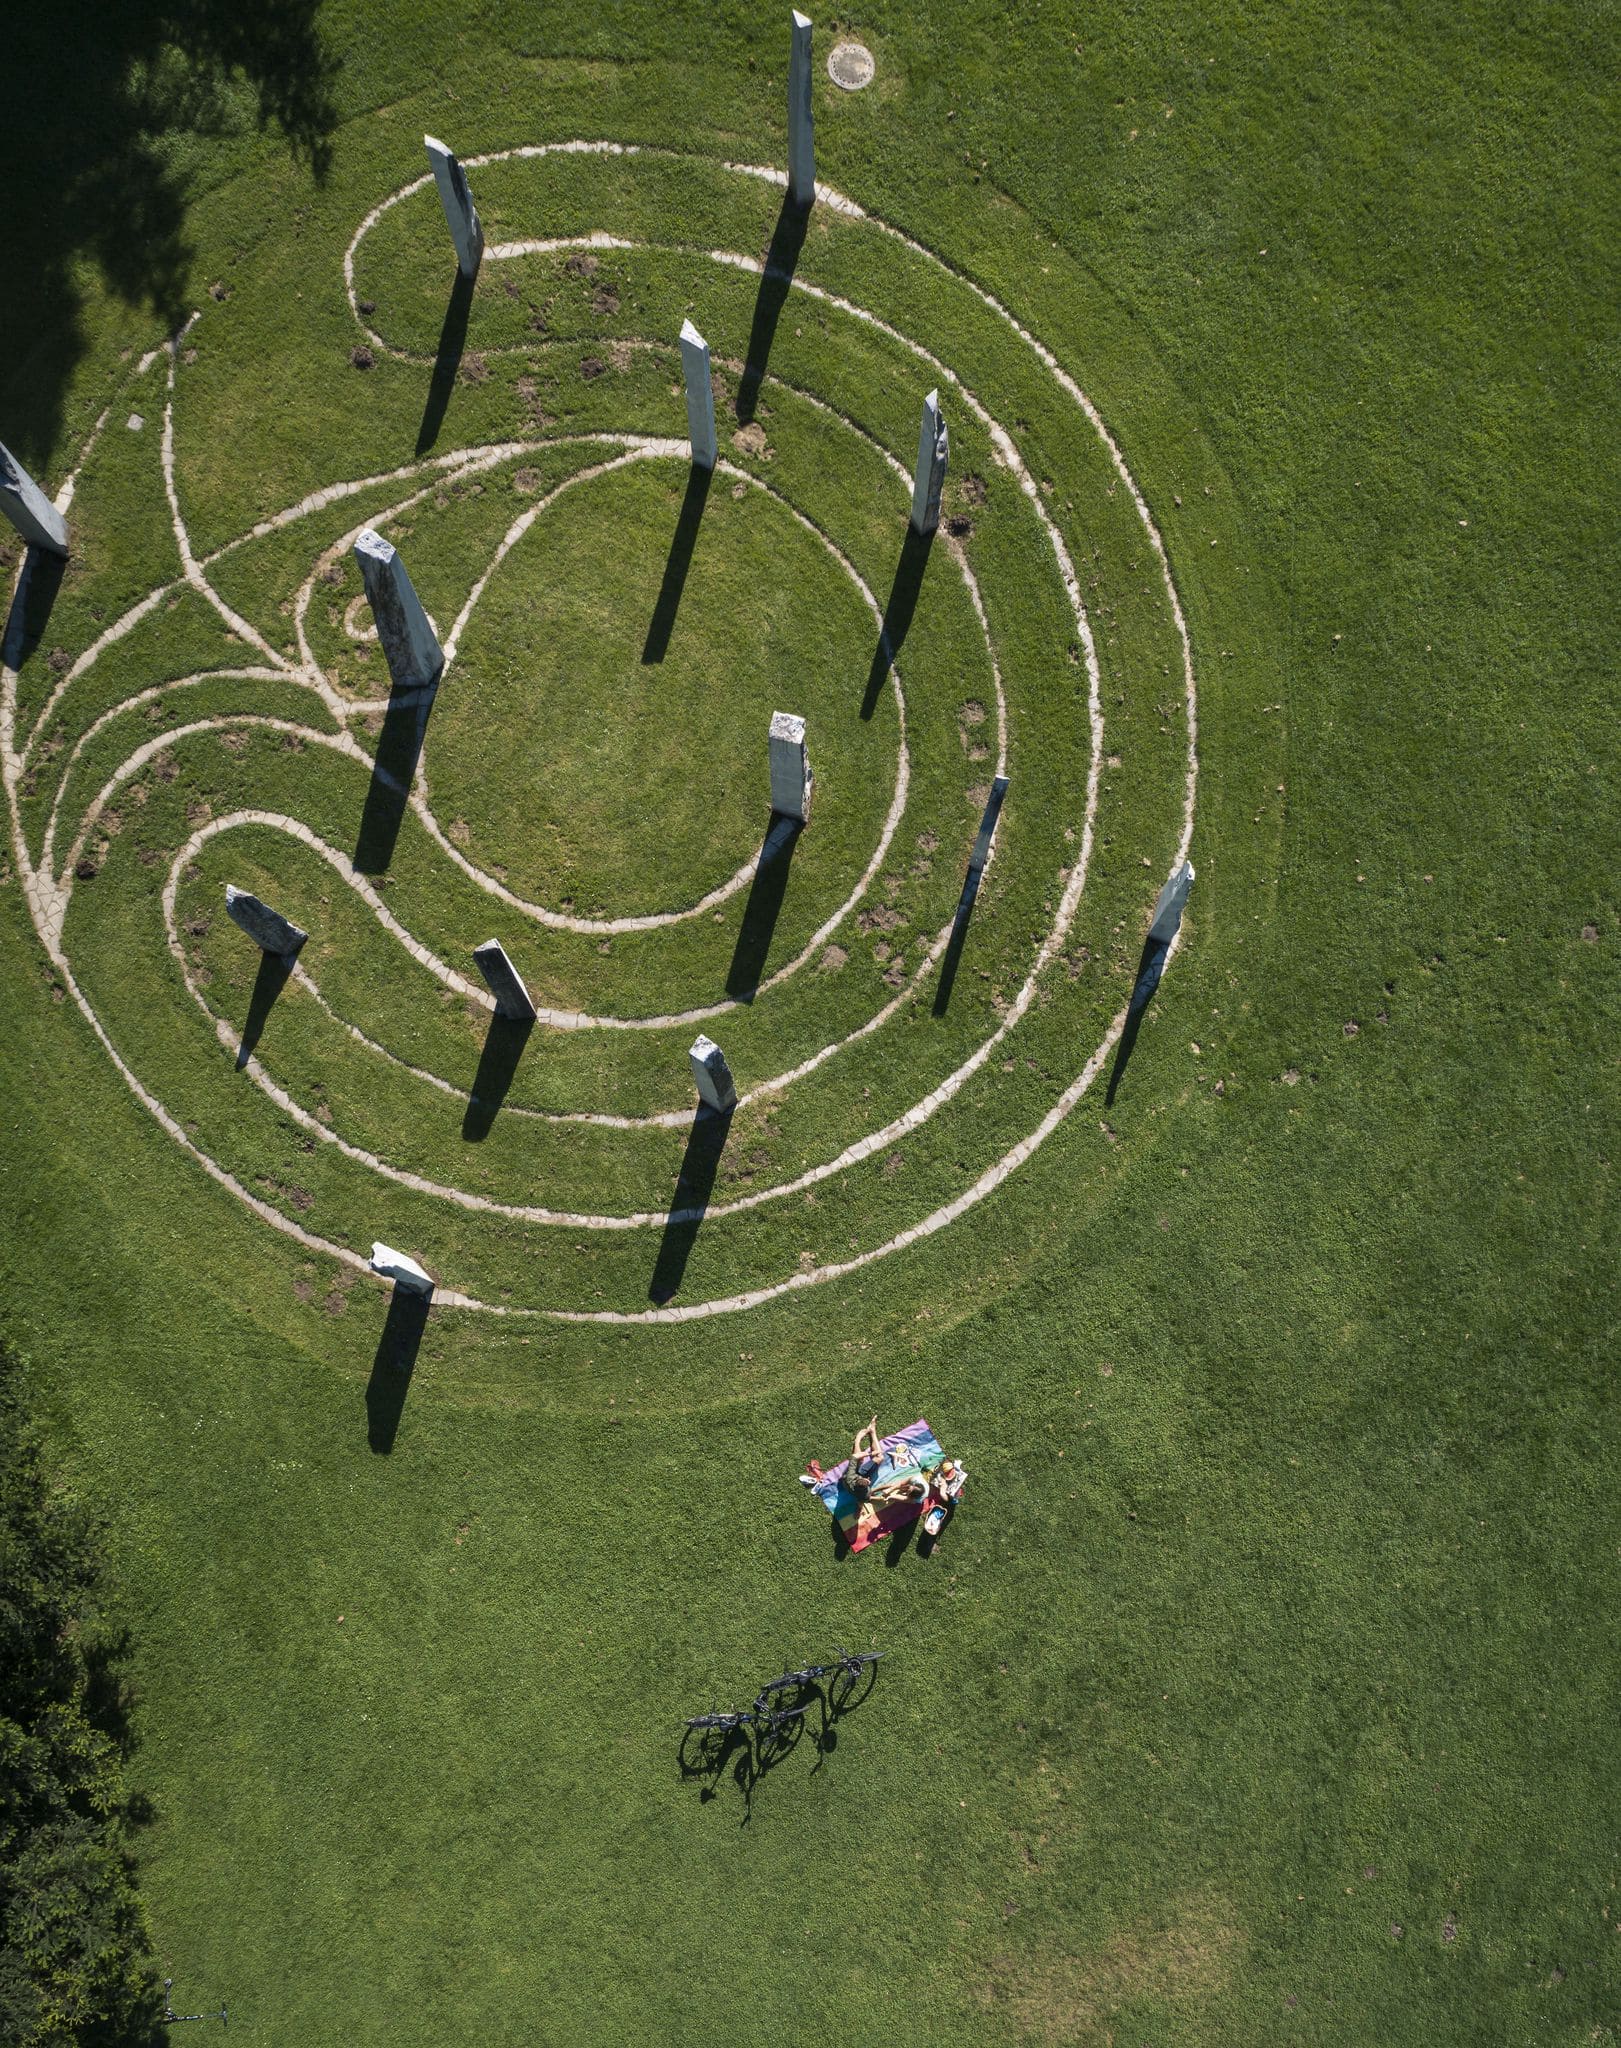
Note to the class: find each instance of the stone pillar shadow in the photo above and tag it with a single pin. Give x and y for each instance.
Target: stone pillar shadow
(684, 540)
(393, 1365)
(275, 969)
(781, 260)
(446, 362)
(497, 1063)
(903, 595)
(405, 725)
(760, 913)
(705, 1143)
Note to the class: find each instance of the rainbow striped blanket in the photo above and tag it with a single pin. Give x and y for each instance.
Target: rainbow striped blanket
(910, 1453)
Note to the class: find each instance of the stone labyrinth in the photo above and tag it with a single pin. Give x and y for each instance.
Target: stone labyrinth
(588, 783)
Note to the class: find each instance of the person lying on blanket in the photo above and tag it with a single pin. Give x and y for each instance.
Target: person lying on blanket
(866, 1462)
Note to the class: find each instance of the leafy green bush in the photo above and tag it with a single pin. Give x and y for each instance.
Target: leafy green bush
(74, 1962)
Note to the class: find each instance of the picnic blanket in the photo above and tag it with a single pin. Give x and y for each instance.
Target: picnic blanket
(908, 1453)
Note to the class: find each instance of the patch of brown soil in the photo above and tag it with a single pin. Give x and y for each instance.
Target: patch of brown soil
(1174, 1964)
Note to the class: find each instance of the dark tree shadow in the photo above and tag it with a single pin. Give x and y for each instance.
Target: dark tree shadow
(447, 361)
(705, 1143)
(391, 1369)
(97, 91)
(31, 607)
(781, 258)
(903, 594)
(275, 970)
(497, 1063)
(405, 724)
(677, 563)
(1149, 969)
(760, 912)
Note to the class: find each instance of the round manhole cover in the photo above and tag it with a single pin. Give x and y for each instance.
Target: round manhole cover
(850, 65)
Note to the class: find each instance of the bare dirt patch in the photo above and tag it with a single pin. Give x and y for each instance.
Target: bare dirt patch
(751, 441)
(833, 959)
(1178, 1962)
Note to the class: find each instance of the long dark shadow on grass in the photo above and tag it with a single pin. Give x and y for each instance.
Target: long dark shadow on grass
(761, 911)
(903, 595)
(31, 608)
(405, 724)
(497, 1063)
(391, 1369)
(781, 259)
(446, 362)
(1149, 969)
(705, 1143)
(970, 894)
(275, 970)
(676, 565)
(97, 196)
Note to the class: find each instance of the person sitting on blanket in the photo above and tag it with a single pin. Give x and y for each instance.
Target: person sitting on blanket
(947, 1485)
(899, 1487)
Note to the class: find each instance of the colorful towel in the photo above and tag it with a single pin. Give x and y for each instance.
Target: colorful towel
(910, 1452)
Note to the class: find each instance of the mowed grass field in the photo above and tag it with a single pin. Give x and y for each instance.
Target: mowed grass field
(1265, 1688)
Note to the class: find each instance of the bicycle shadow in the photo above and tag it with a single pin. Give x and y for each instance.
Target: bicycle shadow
(749, 1753)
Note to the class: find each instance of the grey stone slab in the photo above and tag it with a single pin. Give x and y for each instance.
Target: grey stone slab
(792, 783)
(700, 396)
(266, 927)
(801, 139)
(987, 826)
(1168, 909)
(504, 981)
(456, 197)
(713, 1076)
(401, 1268)
(933, 455)
(28, 508)
(409, 645)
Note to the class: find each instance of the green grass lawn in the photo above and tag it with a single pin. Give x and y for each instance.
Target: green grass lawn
(1264, 1689)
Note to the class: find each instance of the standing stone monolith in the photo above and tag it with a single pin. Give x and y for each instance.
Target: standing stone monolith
(401, 1268)
(792, 783)
(700, 397)
(801, 142)
(714, 1078)
(266, 927)
(28, 508)
(505, 983)
(987, 828)
(414, 655)
(1168, 910)
(456, 197)
(933, 454)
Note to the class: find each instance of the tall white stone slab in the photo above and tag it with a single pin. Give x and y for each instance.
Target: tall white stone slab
(792, 782)
(933, 453)
(714, 1078)
(700, 396)
(987, 827)
(456, 197)
(1168, 910)
(505, 983)
(266, 927)
(401, 1268)
(414, 655)
(801, 143)
(28, 508)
